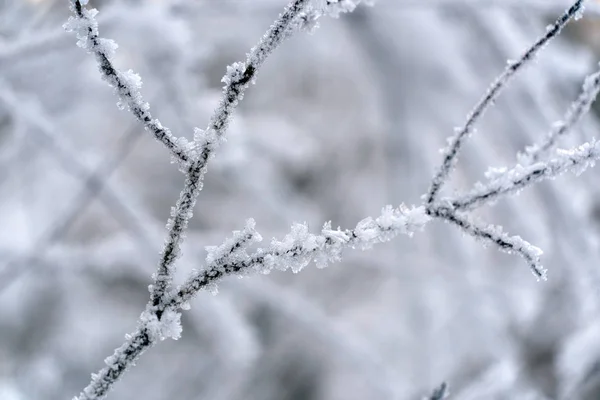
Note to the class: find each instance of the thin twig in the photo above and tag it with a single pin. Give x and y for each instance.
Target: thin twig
(238, 78)
(513, 181)
(457, 140)
(126, 84)
(494, 235)
(580, 107)
(300, 247)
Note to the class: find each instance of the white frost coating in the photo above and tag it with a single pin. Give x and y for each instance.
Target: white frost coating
(489, 98)
(512, 181)
(493, 234)
(169, 325)
(580, 107)
(495, 172)
(235, 246)
(518, 245)
(333, 8)
(83, 28)
(580, 12)
(205, 141)
(126, 84)
(234, 73)
(298, 248)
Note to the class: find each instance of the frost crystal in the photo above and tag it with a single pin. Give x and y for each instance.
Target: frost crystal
(333, 8)
(235, 73)
(233, 247)
(168, 326)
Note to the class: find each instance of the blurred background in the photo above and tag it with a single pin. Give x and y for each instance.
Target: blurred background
(339, 124)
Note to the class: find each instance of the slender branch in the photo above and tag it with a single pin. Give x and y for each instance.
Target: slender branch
(580, 107)
(300, 247)
(513, 181)
(126, 84)
(156, 323)
(122, 359)
(456, 141)
(494, 235)
(238, 78)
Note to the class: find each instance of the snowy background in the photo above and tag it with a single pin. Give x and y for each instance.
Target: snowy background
(339, 124)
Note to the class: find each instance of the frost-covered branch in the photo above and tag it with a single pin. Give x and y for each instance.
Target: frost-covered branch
(294, 252)
(333, 8)
(240, 74)
(156, 323)
(300, 247)
(462, 133)
(492, 234)
(161, 318)
(237, 79)
(505, 182)
(516, 179)
(577, 110)
(126, 84)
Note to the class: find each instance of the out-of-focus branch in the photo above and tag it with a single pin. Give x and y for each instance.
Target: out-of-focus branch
(440, 393)
(94, 182)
